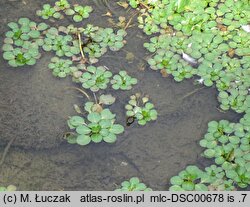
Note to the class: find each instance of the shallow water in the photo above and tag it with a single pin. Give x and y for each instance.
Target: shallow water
(34, 107)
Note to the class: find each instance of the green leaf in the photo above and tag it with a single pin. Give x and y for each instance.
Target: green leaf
(176, 188)
(94, 117)
(96, 138)
(111, 138)
(140, 187)
(82, 129)
(117, 129)
(83, 139)
(188, 186)
(181, 4)
(106, 114)
(176, 180)
(77, 18)
(200, 187)
(134, 181)
(76, 121)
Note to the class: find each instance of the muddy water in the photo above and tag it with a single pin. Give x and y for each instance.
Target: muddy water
(34, 107)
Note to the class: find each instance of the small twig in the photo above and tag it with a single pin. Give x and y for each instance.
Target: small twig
(144, 5)
(80, 45)
(95, 98)
(80, 90)
(192, 92)
(6, 150)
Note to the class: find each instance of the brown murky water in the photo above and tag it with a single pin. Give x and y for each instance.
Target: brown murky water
(34, 107)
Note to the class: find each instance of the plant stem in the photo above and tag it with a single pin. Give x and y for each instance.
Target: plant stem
(80, 45)
(80, 90)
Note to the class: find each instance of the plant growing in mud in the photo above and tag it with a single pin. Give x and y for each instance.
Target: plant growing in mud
(133, 184)
(123, 81)
(98, 126)
(140, 109)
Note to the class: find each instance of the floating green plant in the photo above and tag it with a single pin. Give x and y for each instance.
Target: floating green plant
(193, 179)
(61, 67)
(100, 39)
(95, 78)
(48, 12)
(123, 81)
(61, 43)
(133, 184)
(189, 179)
(21, 45)
(62, 7)
(81, 12)
(141, 109)
(27, 55)
(99, 126)
(228, 144)
(209, 39)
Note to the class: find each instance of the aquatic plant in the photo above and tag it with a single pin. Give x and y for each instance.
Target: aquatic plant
(194, 179)
(27, 55)
(208, 39)
(99, 126)
(95, 78)
(189, 179)
(81, 12)
(123, 81)
(141, 109)
(21, 45)
(48, 12)
(61, 67)
(228, 144)
(8, 188)
(61, 43)
(100, 39)
(133, 184)
(62, 7)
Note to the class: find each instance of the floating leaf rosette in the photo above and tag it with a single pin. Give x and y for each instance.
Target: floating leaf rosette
(141, 109)
(123, 81)
(99, 126)
(194, 179)
(95, 78)
(62, 67)
(21, 45)
(62, 7)
(81, 12)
